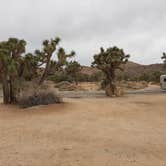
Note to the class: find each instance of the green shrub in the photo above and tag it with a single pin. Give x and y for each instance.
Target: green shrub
(155, 76)
(151, 77)
(60, 77)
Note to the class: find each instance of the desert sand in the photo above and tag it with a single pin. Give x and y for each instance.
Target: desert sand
(127, 131)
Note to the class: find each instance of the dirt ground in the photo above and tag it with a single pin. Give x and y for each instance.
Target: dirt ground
(127, 131)
(95, 86)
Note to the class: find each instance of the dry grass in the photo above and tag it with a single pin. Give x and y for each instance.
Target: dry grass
(128, 131)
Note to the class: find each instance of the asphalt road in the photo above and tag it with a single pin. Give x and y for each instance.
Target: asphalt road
(101, 94)
(150, 90)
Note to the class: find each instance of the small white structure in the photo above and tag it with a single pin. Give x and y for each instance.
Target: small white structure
(163, 81)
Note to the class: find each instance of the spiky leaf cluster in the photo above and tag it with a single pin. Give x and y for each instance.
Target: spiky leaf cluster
(10, 56)
(61, 61)
(111, 58)
(73, 68)
(49, 47)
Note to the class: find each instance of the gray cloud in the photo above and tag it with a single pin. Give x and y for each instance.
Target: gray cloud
(138, 26)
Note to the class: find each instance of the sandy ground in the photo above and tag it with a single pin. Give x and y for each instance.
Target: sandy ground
(128, 131)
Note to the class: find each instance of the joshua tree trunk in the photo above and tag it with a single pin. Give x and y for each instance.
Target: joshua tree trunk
(9, 96)
(76, 80)
(13, 98)
(43, 77)
(111, 88)
(6, 91)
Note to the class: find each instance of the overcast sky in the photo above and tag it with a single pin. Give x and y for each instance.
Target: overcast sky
(137, 26)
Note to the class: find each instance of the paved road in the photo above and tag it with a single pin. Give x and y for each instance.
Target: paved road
(150, 90)
(83, 94)
(101, 94)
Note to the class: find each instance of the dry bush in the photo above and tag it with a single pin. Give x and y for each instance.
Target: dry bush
(35, 95)
(67, 86)
(40, 98)
(133, 85)
(119, 92)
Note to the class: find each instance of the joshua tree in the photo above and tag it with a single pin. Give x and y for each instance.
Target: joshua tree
(14, 67)
(73, 69)
(5, 64)
(62, 60)
(108, 61)
(30, 67)
(11, 66)
(44, 56)
(164, 58)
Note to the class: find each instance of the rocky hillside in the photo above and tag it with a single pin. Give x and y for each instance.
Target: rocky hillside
(89, 70)
(131, 69)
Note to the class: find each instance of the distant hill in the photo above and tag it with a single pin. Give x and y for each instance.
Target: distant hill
(131, 64)
(131, 69)
(89, 70)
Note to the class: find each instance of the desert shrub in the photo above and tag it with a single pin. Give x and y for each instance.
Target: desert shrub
(151, 77)
(60, 77)
(126, 77)
(119, 91)
(65, 85)
(95, 77)
(83, 77)
(148, 77)
(39, 98)
(134, 84)
(155, 76)
(144, 77)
